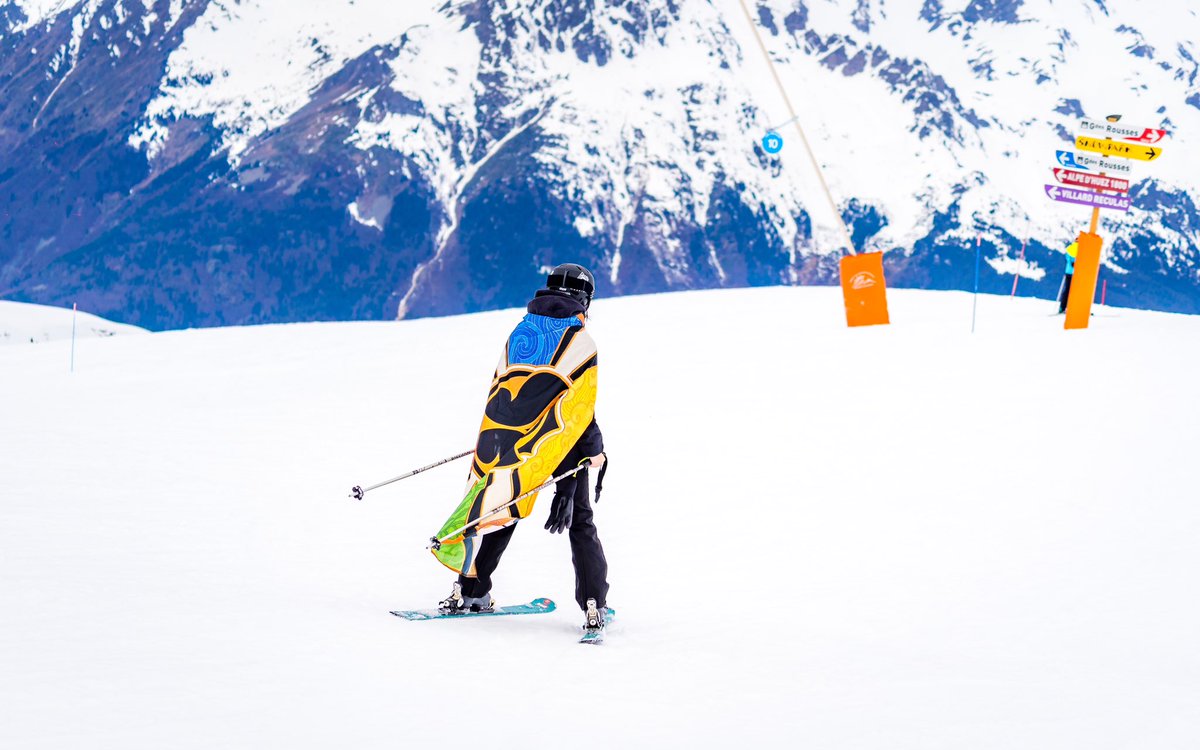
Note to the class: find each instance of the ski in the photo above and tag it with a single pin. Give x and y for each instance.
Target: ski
(535, 607)
(596, 637)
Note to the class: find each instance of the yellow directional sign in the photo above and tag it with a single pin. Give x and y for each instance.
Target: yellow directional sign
(1118, 148)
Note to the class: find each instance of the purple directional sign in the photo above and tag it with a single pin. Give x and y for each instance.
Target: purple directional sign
(1087, 197)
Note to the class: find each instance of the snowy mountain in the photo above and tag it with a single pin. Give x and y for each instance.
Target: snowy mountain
(195, 162)
(950, 556)
(22, 323)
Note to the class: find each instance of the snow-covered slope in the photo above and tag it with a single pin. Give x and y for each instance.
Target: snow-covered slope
(898, 538)
(21, 323)
(295, 160)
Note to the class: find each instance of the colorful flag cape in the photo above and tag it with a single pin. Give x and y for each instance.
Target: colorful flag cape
(540, 402)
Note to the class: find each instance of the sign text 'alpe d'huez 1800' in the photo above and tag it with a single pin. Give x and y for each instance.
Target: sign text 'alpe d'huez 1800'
(1109, 139)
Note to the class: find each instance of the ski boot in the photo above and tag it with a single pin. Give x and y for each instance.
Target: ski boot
(453, 604)
(595, 617)
(457, 604)
(477, 604)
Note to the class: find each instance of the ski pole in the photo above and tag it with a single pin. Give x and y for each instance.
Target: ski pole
(357, 492)
(436, 543)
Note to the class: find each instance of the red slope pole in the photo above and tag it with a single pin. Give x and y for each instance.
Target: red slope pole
(1017, 274)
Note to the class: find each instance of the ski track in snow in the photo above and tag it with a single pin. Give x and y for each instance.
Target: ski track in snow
(895, 538)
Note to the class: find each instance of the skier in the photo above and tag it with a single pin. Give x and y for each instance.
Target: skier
(1065, 290)
(555, 316)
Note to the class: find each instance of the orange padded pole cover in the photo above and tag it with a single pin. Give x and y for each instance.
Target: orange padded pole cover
(1083, 286)
(864, 289)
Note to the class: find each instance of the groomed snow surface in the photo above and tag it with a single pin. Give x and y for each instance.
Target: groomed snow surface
(898, 537)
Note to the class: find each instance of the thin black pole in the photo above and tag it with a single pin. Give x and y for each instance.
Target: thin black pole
(357, 492)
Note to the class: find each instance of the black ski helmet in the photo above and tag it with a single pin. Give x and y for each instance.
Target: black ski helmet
(574, 280)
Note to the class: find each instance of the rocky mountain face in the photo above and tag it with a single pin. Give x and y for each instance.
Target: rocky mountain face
(206, 162)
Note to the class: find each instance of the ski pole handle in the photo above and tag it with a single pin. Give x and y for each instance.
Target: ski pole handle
(357, 492)
(435, 543)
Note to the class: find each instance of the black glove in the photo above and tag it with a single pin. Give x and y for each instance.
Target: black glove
(562, 509)
(600, 478)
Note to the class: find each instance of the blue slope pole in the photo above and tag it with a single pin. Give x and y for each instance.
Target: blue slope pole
(975, 299)
(74, 313)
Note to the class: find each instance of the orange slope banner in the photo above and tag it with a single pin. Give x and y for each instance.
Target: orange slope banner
(864, 289)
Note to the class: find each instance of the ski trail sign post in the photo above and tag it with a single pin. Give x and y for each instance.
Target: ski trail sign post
(1109, 139)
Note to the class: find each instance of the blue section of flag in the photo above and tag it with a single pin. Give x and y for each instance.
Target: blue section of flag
(536, 338)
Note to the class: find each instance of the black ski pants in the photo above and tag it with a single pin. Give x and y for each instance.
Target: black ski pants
(1065, 294)
(587, 554)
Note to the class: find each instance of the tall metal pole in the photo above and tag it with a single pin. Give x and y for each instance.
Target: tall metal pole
(803, 138)
(1096, 209)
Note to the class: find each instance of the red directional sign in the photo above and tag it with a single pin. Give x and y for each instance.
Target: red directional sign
(1149, 135)
(1085, 179)
(1124, 132)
